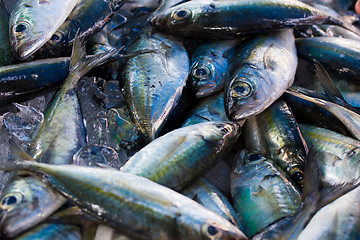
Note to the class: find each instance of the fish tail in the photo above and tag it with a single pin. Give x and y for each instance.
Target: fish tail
(80, 64)
(22, 159)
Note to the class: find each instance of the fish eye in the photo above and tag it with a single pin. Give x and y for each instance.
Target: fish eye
(56, 38)
(181, 15)
(241, 89)
(255, 157)
(201, 72)
(298, 177)
(211, 232)
(21, 27)
(11, 200)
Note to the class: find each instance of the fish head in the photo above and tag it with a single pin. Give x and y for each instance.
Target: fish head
(205, 79)
(215, 230)
(25, 32)
(61, 37)
(295, 161)
(173, 18)
(24, 203)
(57, 39)
(246, 94)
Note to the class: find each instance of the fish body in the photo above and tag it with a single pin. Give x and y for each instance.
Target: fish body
(261, 71)
(183, 154)
(28, 77)
(286, 145)
(339, 161)
(261, 192)
(33, 22)
(349, 116)
(210, 108)
(224, 19)
(136, 206)
(309, 113)
(337, 220)
(52, 231)
(154, 81)
(335, 53)
(206, 194)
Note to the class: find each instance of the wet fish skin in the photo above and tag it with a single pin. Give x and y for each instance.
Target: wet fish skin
(339, 159)
(55, 142)
(52, 231)
(224, 19)
(261, 192)
(286, 144)
(87, 17)
(261, 71)
(23, 78)
(210, 108)
(209, 64)
(184, 154)
(134, 205)
(33, 22)
(337, 220)
(206, 194)
(335, 53)
(255, 139)
(149, 76)
(25, 198)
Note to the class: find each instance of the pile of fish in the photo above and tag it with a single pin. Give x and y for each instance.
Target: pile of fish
(179, 119)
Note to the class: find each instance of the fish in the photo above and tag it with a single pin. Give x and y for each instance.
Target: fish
(55, 142)
(209, 108)
(314, 197)
(228, 18)
(134, 205)
(87, 17)
(209, 64)
(52, 231)
(348, 117)
(337, 220)
(29, 77)
(344, 54)
(338, 154)
(182, 155)
(281, 138)
(26, 200)
(261, 71)
(153, 82)
(261, 192)
(33, 22)
(203, 192)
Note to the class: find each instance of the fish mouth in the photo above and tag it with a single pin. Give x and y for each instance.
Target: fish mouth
(206, 90)
(23, 51)
(158, 22)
